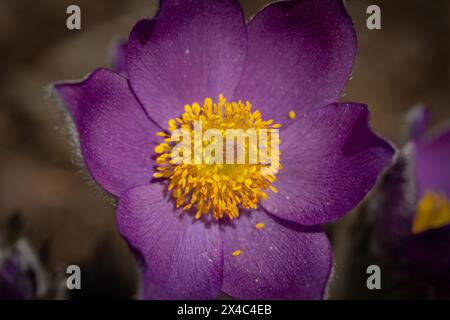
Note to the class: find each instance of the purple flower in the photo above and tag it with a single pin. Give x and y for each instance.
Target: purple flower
(415, 193)
(16, 283)
(21, 275)
(198, 59)
(432, 155)
(431, 220)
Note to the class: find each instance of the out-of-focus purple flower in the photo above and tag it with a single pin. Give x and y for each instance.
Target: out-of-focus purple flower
(291, 61)
(22, 275)
(431, 223)
(17, 282)
(414, 205)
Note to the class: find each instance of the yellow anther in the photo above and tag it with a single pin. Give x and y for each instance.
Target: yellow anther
(160, 160)
(260, 226)
(159, 149)
(208, 102)
(172, 123)
(196, 108)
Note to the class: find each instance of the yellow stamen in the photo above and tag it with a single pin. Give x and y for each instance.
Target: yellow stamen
(220, 189)
(433, 211)
(260, 226)
(292, 115)
(236, 253)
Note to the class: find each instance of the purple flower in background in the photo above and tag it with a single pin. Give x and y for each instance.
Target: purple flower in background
(432, 157)
(199, 60)
(22, 276)
(16, 281)
(415, 223)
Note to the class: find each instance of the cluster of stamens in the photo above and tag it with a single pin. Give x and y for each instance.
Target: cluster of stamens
(219, 188)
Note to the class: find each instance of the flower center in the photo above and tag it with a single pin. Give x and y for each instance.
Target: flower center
(433, 211)
(219, 157)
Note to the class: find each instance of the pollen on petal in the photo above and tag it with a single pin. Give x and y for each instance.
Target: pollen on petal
(236, 253)
(292, 115)
(260, 226)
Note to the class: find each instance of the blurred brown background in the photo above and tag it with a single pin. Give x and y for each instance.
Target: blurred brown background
(404, 64)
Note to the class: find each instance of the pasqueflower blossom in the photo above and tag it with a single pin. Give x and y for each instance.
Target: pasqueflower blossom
(203, 229)
(415, 207)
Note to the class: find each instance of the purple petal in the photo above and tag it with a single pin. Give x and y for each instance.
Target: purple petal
(120, 58)
(115, 133)
(300, 57)
(431, 257)
(432, 164)
(393, 205)
(182, 257)
(280, 261)
(192, 50)
(330, 160)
